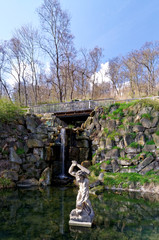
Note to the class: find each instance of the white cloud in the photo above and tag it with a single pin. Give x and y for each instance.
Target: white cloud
(101, 75)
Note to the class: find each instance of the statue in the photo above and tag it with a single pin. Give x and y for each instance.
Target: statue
(83, 214)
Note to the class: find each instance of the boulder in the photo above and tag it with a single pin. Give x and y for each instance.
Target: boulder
(34, 143)
(115, 166)
(13, 157)
(31, 123)
(28, 183)
(111, 125)
(101, 177)
(146, 123)
(156, 139)
(10, 174)
(145, 162)
(140, 138)
(147, 168)
(154, 122)
(132, 150)
(112, 154)
(109, 143)
(138, 128)
(127, 140)
(83, 144)
(149, 148)
(124, 162)
(46, 176)
(106, 167)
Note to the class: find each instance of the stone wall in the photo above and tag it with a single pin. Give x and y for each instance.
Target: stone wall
(30, 150)
(125, 139)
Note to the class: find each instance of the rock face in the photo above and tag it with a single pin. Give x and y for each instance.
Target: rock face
(30, 149)
(128, 139)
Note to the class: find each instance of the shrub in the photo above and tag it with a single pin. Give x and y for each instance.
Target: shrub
(9, 111)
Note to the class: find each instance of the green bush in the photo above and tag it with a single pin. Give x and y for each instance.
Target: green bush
(9, 111)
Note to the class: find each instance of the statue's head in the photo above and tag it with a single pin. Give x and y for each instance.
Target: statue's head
(80, 175)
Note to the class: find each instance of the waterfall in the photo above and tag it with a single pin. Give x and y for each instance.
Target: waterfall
(62, 153)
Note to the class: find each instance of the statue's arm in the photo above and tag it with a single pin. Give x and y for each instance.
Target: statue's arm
(70, 171)
(83, 169)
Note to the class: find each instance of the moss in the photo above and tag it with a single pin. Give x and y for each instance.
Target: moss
(95, 169)
(106, 130)
(5, 182)
(150, 142)
(124, 158)
(134, 145)
(103, 116)
(157, 132)
(147, 116)
(113, 134)
(20, 151)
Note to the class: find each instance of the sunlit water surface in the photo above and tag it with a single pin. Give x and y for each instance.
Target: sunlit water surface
(42, 214)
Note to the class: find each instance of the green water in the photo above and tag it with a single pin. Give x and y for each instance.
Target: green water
(42, 214)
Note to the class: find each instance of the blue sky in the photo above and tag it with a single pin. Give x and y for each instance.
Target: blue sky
(118, 26)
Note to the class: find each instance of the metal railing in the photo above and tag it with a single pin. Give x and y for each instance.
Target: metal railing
(79, 105)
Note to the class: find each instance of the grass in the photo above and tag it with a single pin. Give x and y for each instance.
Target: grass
(116, 179)
(9, 111)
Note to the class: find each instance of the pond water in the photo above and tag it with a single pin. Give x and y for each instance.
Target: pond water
(43, 214)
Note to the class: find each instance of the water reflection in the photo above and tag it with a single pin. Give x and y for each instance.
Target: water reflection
(43, 214)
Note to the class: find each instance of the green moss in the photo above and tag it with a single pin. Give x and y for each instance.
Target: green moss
(134, 145)
(121, 126)
(147, 116)
(20, 151)
(133, 135)
(113, 134)
(108, 162)
(124, 158)
(103, 116)
(106, 130)
(114, 179)
(157, 132)
(95, 169)
(150, 142)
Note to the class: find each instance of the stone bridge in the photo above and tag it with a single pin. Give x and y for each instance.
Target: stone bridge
(71, 108)
(77, 109)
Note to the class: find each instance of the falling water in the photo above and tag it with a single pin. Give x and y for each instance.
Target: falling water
(62, 153)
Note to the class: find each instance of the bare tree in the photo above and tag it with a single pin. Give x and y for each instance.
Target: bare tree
(28, 36)
(95, 59)
(56, 35)
(4, 85)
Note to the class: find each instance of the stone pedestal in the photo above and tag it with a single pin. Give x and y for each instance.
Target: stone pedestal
(80, 224)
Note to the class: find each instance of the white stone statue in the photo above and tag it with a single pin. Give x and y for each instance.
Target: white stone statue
(83, 214)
